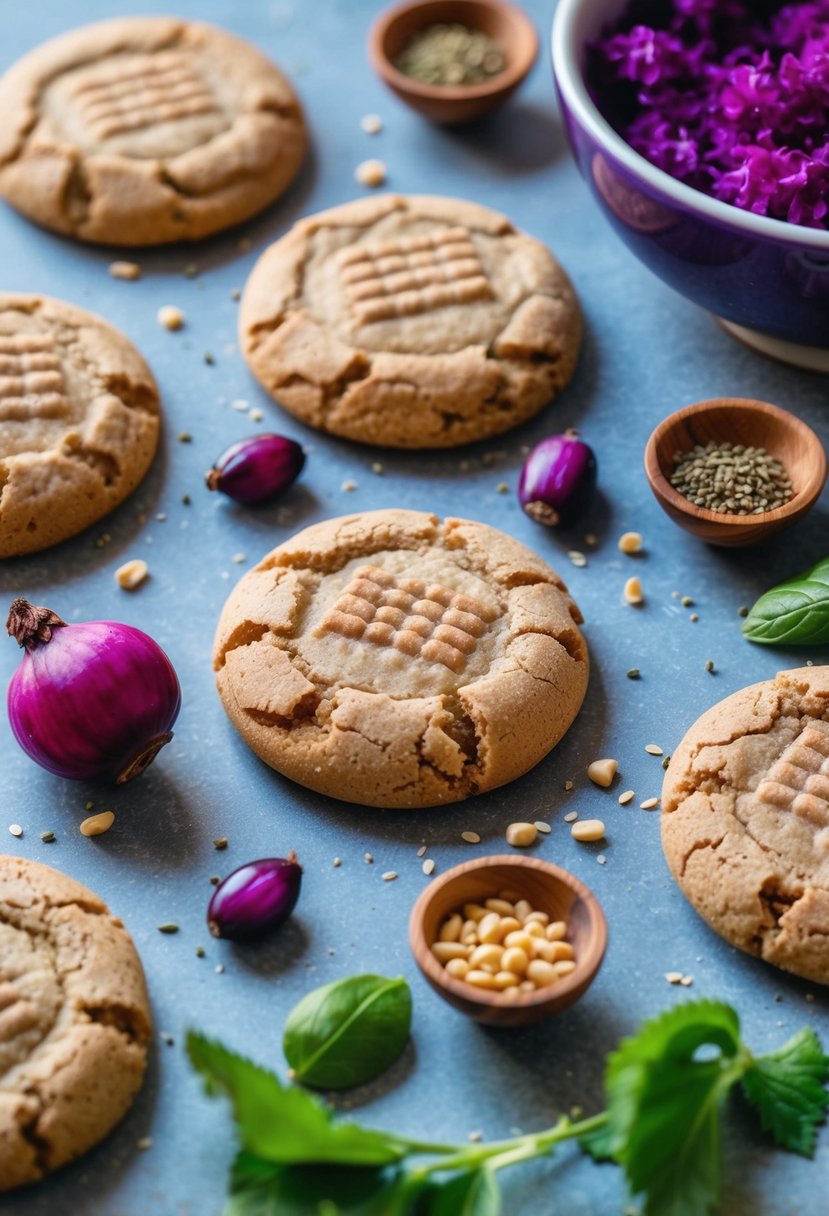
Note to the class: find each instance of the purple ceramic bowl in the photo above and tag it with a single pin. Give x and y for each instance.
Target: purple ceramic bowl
(766, 280)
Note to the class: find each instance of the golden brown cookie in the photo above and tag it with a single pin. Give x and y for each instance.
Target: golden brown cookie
(395, 660)
(410, 322)
(141, 130)
(745, 823)
(79, 421)
(74, 1021)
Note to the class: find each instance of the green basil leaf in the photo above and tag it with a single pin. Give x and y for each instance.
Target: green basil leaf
(794, 612)
(473, 1193)
(788, 1088)
(259, 1188)
(348, 1032)
(286, 1126)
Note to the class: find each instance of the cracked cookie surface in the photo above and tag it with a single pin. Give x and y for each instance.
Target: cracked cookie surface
(413, 322)
(79, 421)
(745, 822)
(74, 1021)
(396, 660)
(143, 130)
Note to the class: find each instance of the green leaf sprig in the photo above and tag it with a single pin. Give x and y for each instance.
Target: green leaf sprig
(794, 612)
(665, 1088)
(349, 1032)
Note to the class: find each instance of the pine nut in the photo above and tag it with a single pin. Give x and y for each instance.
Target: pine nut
(457, 967)
(521, 835)
(587, 830)
(527, 986)
(544, 949)
(630, 542)
(540, 918)
(125, 270)
(443, 951)
(542, 973)
(556, 931)
(509, 895)
(534, 929)
(602, 772)
(509, 924)
(506, 979)
(489, 929)
(627, 797)
(371, 173)
(511, 994)
(96, 825)
(565, 967)
(633, 593)
(474, 912)
(519, 941)
(561, 951)
(486, 956)
(170, 317)
(469, 927)
(450, 930)
(515, 959)
(132, 574)
(501, 906)
(523, 908)
(481, 979)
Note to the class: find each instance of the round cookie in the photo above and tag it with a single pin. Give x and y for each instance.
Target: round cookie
(395, 660)
(74, 1021)
(412, 322)
(79, 421)
(745, 823)
(141, 130)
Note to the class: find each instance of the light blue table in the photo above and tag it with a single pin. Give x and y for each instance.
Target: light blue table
(646, 352)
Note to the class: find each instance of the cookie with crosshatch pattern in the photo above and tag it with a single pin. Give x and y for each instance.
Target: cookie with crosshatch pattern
(142, 130)
(397, 660)
(745, 819)
(412, 322)
(79, 421)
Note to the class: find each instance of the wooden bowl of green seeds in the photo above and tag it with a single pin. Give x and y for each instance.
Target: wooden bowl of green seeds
(733, 471)
(453, 60)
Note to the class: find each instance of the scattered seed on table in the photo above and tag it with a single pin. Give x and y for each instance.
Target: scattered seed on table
(240, 405)
(421, 852)
(129, 271)
(144, 1143)
(191, 270)
(673, 977)
(601, 859)
(89, 806)
(742, 610)
(633, 673)
(219, 968)
(15, 829)
(348, 486)
(256, 415)
(709, 665)
(541, 826)
(185, 437)
(471, 837)
(687, 981)
(577, 558)
(372, 124)
(568, 785)
(336, 863)
(428, 866)
(371, 173)
(168, 1039)
(632, 592)
(170, 317)
(200, 951)
(627, 797)
(220, 842)
(47, 837)
(630, 543)
(521, 835)
(367, 858)
(602, 772)
(377, 468)
(214, 880)
(168, 927)
(648, 804)
(474, 1136)
(208, 359)
(686, 601)
(666, 760)
(591, 540)
(132, 574)
(587, 830)
(693, 618)
(96, 825)
(239, 558)
(571, 817)
(236, 293)
(653, 749)
(186, 500)
(389, 876)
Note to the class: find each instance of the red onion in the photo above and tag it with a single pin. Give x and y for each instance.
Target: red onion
(89, 701)
(255, 898)
(256, 469)
(557, 480)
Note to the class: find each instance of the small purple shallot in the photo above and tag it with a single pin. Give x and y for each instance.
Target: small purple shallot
(557, 480)
(255, 898)
(256, 469)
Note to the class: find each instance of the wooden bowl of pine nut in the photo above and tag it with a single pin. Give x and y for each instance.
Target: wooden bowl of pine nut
(719, 515)
(561, 957)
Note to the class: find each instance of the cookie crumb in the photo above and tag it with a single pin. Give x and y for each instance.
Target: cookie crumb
(372, 124)
(371, 173)
(673, 977)
(15, 829)
(591, 540)
(686, 601)
(132, 574)
(428, 866)
(130, 271)
(709, 665)
(170, 317)
(377, 468)
(630, 543)
(693, 617)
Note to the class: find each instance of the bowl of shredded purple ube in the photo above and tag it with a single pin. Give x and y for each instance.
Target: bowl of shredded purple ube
(702, 129)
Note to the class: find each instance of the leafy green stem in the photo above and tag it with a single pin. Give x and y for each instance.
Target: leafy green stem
(501, 1153)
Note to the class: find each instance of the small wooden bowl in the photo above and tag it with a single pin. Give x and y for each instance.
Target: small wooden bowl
(452, 104)
(736, 420)
(549, 889)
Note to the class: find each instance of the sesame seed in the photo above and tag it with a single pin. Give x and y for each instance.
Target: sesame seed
(601, 859)
(577, 558)
(653, 749)
(471, 837)
(144, 1143)
(673, 977)
(219, 968)
(421, 852)
(15, 829)
(367, 858)
(541, 826)
(571, 817)
(348, 486)
(372, 124)
(129, 271)
(648, 804)
(625, 798)
(47, 837)
(389, 876)
(428, 866)
(336, 863)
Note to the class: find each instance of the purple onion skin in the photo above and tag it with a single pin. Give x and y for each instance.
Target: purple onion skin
(557, 480)
(255, 898)
(94, 701)
(256, 469)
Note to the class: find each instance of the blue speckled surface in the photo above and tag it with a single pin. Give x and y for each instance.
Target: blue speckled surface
(646, 352)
